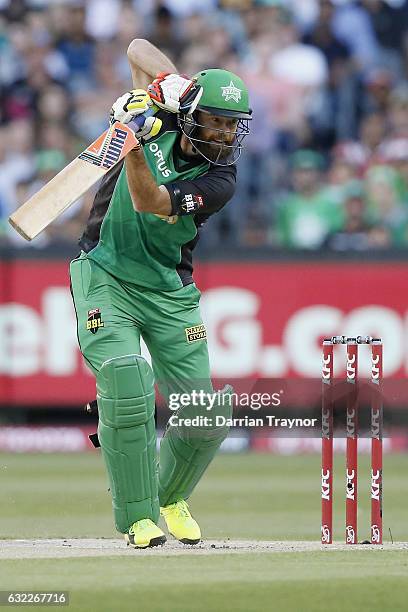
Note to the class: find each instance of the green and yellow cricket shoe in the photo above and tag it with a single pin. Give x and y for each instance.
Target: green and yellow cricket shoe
(144, 534)
(180, 523)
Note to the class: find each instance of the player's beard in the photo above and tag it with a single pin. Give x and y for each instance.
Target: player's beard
(213, 150)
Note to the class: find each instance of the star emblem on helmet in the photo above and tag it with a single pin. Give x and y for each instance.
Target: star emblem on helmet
(231, 92)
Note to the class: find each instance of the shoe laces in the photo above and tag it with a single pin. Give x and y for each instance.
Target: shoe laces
(181, 508)
(139, 525)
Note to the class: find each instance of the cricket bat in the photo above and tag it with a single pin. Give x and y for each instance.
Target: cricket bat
(74, 180)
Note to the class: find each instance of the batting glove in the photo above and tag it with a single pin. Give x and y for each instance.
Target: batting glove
(150, 128)
(133, 103)
(175, 93)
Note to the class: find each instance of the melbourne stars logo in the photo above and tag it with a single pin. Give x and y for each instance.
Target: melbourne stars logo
(231, 92)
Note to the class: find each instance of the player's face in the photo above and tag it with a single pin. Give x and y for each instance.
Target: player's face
(219, 134)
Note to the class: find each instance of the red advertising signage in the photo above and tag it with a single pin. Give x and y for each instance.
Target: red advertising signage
(263, 320)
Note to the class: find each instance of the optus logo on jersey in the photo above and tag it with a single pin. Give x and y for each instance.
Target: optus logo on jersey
(160, 162)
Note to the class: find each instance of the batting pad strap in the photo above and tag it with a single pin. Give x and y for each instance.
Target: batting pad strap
(186, 452)
(127, 436)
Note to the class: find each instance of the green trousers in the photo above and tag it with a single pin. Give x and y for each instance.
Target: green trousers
(112, 316)
(128, 312)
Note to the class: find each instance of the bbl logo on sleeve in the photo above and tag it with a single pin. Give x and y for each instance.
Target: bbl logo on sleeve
(94, 321)
(191, 203)
(195, 333)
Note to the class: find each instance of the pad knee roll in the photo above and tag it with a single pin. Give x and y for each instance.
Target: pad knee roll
(125, 387)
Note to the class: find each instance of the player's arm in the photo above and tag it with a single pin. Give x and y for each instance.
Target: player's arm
(146, 61)
(206, 194)
(146, 195)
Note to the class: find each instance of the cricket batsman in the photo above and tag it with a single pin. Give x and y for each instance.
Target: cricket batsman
(134, 280)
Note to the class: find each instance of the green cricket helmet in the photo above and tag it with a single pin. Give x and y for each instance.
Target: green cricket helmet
(223, 94)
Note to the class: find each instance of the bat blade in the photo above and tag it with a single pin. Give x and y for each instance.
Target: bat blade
(73, 181)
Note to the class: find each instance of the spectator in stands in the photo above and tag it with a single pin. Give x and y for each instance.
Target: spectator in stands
(7, 182)
(335, 119)
(306, 215)
(357, 234)
(398, 111)
(347, 165)
(166, 34)
(68, 226)
(390, 25)
(5, 187)
(77, 47)
(385, 207)
(352, 25)
(58, 136)
(90, 118)
(395, 154)
(53, 104)
(372, 133)
(16, 162)
(378, 84)
(37, 67)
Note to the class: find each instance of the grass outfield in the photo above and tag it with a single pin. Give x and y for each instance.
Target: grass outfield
(241, 497)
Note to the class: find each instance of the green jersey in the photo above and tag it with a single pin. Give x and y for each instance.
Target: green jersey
(152, 250)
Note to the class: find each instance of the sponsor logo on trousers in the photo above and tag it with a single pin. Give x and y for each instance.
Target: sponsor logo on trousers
(94, 321)
(195, 333)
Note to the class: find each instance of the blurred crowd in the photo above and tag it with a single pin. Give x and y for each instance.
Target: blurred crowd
(326, 163)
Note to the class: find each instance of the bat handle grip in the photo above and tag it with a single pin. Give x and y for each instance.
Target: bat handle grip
(139, 120)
